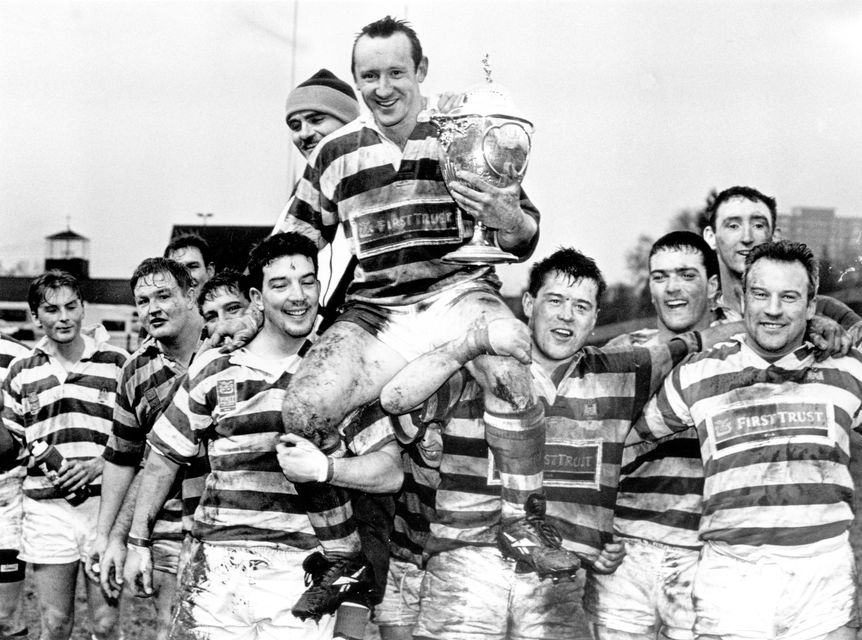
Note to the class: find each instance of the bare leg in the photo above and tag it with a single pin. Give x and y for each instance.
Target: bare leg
(55, 590)
(104, 615)
(165, 585)
(601, 632)
(396, 633)
(844, 633)
(345, 370)
(12, 620)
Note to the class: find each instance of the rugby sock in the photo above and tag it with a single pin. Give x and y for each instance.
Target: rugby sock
(330, 513)
(350, 621)
(517, 441)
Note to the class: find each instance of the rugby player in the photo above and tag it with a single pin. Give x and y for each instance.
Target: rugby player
(419, 435)
(404, 299)
(315, 108)
(193, 252)
(222, 298)
(12, 622)
(592, 397)
(658, 506)
(253, 525)
(774, 430)
(62, 393)
(164, 296)
(740, 218)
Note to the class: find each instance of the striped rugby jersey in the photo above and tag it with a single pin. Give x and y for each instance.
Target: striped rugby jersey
(590, 406)
(661, 486)
(468, 505)
(394, 208)
(9, 350)
(70, 410)
(231, 404)
(414, 507)
(419, 435)
(774, 439)
(147, 385)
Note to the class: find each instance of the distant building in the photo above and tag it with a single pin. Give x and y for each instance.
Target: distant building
(107, 301)
(829, 236)
(230, 245)
(70, 252)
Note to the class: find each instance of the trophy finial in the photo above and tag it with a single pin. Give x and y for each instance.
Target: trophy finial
(486, 66)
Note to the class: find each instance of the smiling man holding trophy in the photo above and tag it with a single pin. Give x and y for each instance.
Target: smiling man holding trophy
(381, 178)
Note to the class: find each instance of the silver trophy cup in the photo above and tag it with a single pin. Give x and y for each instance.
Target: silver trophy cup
(487, 136)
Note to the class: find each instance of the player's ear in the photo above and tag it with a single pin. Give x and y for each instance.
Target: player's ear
(256, 298)
(709, 236)
(527, 304)
(422, 69)
(712, 287)
(812, 308)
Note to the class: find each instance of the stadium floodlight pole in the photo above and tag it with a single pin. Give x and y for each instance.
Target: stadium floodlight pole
(205, 215)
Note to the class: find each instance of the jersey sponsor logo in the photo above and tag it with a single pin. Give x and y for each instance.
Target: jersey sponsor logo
(750, 425)
(226, 391)
(814, 375)
(571, 464)
(376, 232)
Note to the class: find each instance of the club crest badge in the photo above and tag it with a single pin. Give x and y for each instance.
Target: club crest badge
(152, 397)
(33, 403)
(226, 391)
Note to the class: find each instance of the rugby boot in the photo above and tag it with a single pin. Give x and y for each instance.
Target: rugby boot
(536, 545)
(331, 582)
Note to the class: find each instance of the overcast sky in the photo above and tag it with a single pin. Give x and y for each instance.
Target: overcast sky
(130, 117)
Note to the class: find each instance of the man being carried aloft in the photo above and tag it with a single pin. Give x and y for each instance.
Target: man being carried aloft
(379, 179)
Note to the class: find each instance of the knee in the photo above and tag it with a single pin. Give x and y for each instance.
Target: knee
(106, 623)
(9, 611)
(57, 625)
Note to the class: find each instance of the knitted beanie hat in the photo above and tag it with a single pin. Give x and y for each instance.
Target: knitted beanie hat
(325, 93)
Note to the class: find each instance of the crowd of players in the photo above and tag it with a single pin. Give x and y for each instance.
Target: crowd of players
(412, 457)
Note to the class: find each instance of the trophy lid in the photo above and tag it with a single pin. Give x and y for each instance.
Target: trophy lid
(488, 99)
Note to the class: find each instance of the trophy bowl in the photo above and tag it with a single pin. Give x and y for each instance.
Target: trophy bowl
(487, 136)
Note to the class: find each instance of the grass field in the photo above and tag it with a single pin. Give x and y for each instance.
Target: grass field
(138, 616)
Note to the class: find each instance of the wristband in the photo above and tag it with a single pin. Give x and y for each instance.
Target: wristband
(146, 543)
(330, 469)
(478, 342)
(323, 469)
